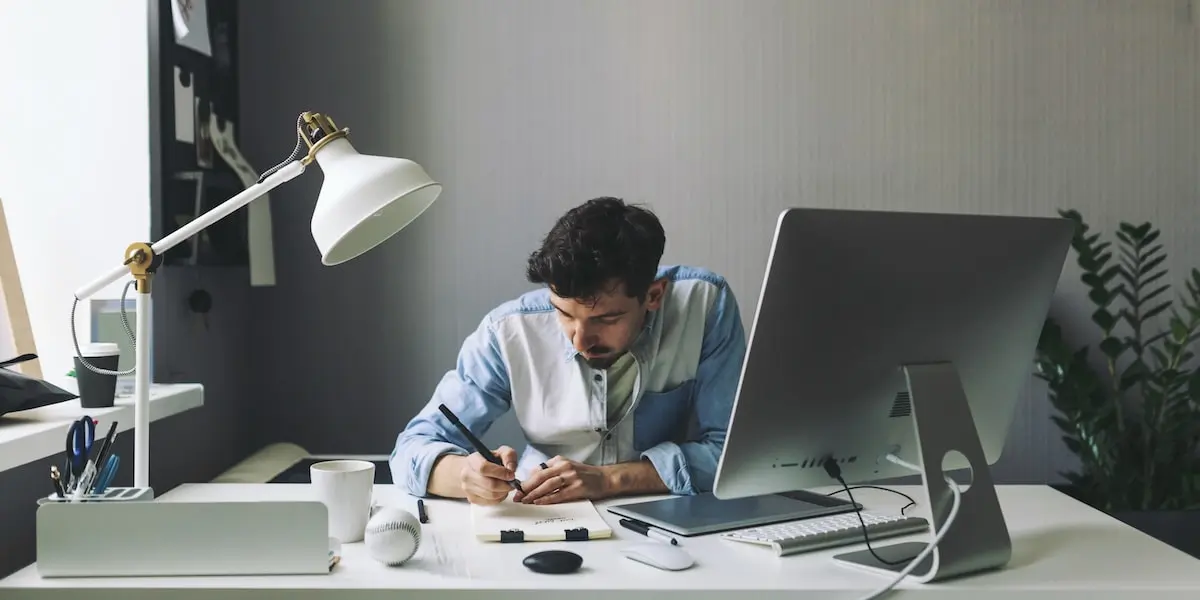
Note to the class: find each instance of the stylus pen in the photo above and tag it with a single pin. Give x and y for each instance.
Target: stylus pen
(648, 531)
(479, 447)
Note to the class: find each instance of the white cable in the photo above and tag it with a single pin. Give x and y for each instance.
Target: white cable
(932, 545)
(892, 458)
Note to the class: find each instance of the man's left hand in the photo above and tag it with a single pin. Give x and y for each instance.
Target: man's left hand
(564, 480)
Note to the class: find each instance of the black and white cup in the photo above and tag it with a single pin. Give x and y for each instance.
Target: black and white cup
(97, 390)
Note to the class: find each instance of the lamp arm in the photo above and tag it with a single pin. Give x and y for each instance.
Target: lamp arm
(141, 259)
(286, 173)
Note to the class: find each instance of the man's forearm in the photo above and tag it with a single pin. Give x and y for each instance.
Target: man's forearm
(446, 478)
(636, 477)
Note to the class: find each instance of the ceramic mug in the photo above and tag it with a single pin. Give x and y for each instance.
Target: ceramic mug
(345, 487)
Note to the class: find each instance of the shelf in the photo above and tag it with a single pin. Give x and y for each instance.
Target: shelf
(35, 434)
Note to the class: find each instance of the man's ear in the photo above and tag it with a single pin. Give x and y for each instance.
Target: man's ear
(655, 294)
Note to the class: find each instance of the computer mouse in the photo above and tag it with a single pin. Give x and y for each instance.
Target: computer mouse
(659, 555)
(554, 562)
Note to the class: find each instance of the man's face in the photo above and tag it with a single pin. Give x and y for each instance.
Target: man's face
(602, 329)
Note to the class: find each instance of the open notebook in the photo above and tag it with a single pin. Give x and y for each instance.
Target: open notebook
(511, 521)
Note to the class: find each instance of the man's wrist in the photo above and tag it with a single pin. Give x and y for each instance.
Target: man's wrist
(445, 480)
(635, 477)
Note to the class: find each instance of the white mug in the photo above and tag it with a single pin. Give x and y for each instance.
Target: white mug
(345, 486)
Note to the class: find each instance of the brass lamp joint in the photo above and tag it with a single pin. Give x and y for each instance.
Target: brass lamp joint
(140, 259)
(317, 130)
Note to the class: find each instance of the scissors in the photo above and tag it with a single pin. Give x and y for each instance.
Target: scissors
(80, 438)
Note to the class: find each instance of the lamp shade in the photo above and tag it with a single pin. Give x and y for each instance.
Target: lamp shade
(365, 200)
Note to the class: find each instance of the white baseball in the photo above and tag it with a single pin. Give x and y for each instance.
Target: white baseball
(393, 535)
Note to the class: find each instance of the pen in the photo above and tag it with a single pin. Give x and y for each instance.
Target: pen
(421, 511)
(648, 531)
(106, 445)
(58, 488)
(479, 447)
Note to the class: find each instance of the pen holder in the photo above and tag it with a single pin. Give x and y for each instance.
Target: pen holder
(164, 538)
(117, 494)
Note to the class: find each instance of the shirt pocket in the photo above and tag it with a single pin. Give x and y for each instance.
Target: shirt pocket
(662, 416)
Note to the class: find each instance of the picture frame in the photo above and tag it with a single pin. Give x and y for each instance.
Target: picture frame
(16, 331)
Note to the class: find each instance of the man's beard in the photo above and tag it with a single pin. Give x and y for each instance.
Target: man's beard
(603, 362)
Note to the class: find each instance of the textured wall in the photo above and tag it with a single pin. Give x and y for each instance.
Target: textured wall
(716, 113)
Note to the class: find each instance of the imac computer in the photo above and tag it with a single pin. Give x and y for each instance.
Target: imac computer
(894, 333)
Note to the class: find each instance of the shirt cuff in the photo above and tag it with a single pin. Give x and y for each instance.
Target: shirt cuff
(413, 471)
(671, 465)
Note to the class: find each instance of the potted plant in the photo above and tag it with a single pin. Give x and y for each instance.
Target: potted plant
(1131, 411)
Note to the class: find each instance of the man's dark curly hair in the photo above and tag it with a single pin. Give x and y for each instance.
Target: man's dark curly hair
(596, 243)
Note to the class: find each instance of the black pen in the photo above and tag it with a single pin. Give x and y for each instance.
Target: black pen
(648, 531)
(421, 511)
(479, 447)
(105, 446)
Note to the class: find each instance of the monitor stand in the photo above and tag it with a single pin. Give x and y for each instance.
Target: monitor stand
(978, 540)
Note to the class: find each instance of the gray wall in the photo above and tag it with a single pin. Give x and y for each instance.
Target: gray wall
(190, 447)
(718, 114)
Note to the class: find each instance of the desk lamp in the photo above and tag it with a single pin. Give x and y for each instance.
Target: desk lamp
(364, 200)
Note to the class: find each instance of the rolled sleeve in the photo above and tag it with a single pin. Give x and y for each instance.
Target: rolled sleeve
(476, 391)
(669, 461)
(691, 467)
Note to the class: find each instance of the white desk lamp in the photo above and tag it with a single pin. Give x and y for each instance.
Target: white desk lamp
(363, 202)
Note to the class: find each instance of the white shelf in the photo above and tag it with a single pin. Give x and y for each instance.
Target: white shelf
(32, 435)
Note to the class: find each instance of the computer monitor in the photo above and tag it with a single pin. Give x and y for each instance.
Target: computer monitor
(900, 333)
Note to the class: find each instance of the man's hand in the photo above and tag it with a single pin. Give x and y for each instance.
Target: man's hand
(564, 480)
(487, 483)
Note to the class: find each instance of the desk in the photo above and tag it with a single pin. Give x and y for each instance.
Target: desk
(1060, 546)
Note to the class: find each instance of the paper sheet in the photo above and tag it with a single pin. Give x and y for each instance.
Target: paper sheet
(547, 522)
(261, 242)
(185, 112)
(190, 18)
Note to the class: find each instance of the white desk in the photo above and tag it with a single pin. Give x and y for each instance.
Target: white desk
(1060, 546)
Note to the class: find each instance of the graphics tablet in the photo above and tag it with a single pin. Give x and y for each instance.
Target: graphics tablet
(705, 513)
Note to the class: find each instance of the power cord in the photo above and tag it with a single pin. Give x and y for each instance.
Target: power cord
(124, 323)
(834, 471)
(846, 490)
(956, 503)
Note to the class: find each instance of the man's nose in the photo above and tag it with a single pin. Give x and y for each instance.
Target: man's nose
(583, 339)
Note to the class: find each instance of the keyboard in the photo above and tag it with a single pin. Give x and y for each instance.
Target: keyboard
(844, 529)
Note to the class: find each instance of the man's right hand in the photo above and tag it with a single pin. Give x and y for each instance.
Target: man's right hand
(486, 483)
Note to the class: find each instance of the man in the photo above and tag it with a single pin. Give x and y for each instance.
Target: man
(606, 367)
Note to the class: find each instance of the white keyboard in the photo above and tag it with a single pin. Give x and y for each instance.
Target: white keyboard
(844, 529)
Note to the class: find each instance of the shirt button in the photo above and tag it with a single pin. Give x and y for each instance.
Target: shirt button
(599, 377)
(608, 437)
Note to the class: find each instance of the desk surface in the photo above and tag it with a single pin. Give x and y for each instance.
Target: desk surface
(1059, 545)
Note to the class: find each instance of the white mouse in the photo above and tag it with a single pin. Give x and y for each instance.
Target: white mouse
(659, 555)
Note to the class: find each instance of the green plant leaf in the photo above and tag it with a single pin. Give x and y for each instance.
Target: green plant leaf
(1101, 297)
(1104, 319)
(1179, 331)
(1112, 347)
(1148, 266)
(1153, 312)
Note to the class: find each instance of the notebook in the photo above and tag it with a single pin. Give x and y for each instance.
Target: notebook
(511, 521)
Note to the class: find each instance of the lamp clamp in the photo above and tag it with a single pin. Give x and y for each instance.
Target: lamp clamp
(142, 262)
(316, 130)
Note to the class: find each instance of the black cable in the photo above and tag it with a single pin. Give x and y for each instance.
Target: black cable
(911, 502)
(834, 471)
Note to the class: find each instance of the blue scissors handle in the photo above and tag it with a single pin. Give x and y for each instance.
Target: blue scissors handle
(80, 438)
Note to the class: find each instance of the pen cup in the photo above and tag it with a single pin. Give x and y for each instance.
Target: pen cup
(345, 487)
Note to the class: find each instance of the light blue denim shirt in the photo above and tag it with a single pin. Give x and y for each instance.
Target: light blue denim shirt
(689, 358)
